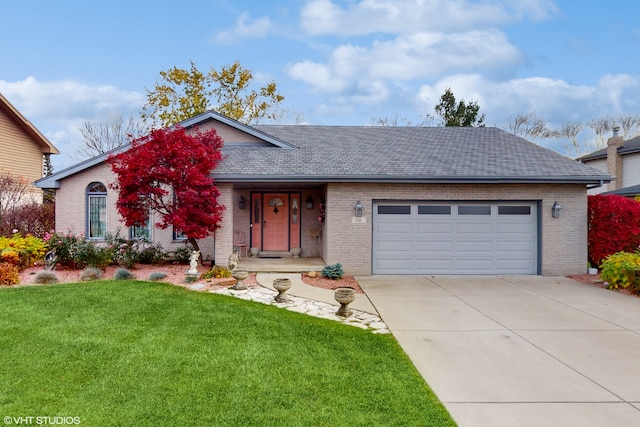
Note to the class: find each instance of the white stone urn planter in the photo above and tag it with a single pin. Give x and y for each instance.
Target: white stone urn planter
(344, 296)
(296, 252)
(281, 285)
(240, 274)
(255, 252)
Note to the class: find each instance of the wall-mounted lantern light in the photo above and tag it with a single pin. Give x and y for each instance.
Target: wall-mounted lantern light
(359, 208)
(309, 203)
(555, 210)
(242, 203)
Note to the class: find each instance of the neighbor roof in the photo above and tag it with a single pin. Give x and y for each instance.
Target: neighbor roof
(46, 146)
(317, 154)
(630, 191)
(630, 146)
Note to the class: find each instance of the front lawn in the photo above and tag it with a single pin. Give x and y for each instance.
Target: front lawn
(132, 353)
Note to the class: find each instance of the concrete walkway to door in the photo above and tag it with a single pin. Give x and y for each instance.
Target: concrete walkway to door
(518, 351)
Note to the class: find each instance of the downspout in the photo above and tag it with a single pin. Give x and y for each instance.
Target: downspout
(600, 184)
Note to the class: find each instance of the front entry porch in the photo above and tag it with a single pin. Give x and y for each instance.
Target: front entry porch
(281, 265)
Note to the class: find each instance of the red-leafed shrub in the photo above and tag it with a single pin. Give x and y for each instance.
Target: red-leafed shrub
(614, 226)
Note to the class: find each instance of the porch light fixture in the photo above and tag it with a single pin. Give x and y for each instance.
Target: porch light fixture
(359, 208)
(555, 210)
(309, 203)
(242, 203)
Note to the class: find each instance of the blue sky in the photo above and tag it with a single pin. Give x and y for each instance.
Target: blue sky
(337, 62)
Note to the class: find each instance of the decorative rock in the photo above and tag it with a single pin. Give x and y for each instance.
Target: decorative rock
(318, 309)
(312, 274)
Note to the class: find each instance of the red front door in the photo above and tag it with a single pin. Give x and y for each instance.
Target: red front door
(275, 222)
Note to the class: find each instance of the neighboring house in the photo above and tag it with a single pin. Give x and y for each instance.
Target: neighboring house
(23, 149)
(621, 160)
(396, 200)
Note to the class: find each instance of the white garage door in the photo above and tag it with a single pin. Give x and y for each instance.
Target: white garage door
(455, 238)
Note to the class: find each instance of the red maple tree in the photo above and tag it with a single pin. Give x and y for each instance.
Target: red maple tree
(169, 172)
(614, 226)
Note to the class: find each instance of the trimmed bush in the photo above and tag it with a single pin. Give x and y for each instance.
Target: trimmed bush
(334, 271)
(614, 226)
(46, 278)
(90, 273)
(157, 275)
(9, 274)
(622, 270)
(28, 249)
(123, 274)
(182, 255)
(10, 256)
(152, 254)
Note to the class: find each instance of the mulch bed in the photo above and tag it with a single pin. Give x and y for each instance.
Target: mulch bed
(176, 274)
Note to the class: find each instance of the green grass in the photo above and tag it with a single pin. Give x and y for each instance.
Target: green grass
(130, 353)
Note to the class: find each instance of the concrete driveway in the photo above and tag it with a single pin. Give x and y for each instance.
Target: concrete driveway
(518, 351)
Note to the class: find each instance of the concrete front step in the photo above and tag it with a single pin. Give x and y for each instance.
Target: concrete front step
(275, 254)
(282, 265)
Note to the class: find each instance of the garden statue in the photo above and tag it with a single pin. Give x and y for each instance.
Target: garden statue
(193, 263)
(233, 260)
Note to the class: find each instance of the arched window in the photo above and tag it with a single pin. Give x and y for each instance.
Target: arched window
(96, 210)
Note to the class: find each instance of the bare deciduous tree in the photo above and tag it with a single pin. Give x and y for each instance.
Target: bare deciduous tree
(529, 126)
(13, 192)
(402, 121)
(112, 131)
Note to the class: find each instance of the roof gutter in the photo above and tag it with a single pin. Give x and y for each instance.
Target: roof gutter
(598, 185)
(595, 180)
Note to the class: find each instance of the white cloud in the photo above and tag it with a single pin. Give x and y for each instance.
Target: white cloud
(317, 75)
(553, 100)
(245, 29)
(408, 57)
(328, 17)
(58, 109)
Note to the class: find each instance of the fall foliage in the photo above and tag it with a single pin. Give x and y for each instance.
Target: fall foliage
(183, 94)
(614, 226)
(169, 173)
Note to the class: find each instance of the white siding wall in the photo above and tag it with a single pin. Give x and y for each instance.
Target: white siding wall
(631, 169)
(600, 164)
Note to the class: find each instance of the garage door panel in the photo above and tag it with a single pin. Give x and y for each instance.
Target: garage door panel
(514, 246)
(399, 266)
(515, 267)
(434, 227)
(474, 228)
(437, 239)
(434, 245)
(474, 266)
(394, 228)
(510, 228)
(477, 247)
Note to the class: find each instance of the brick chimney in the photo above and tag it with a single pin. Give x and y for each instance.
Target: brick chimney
(614, 160)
